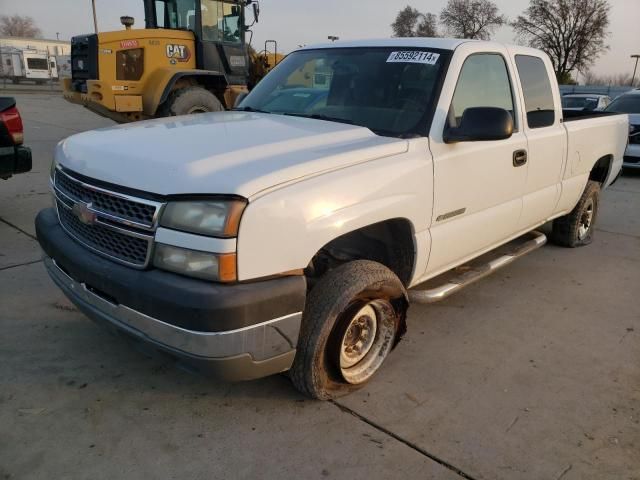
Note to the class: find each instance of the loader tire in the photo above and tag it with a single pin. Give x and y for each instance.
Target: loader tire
(190, 100)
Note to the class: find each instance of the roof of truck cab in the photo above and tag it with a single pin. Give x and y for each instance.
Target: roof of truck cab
(418, 42)
(434, 43)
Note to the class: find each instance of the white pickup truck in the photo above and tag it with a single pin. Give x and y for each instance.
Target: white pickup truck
(289, 234)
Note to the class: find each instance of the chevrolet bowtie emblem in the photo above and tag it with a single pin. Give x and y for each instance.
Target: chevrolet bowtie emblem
(84, 213)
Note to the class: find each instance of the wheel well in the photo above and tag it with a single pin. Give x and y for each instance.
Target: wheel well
(389, 242)
(601, 169)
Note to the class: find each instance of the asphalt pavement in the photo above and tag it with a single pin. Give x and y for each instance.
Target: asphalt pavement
(532, 373)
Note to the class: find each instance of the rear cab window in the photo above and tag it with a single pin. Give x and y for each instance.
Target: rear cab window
(536, 88)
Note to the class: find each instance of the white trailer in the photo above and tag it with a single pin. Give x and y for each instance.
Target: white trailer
(27, 64)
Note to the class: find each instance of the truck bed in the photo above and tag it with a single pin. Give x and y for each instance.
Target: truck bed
(571, 115)
(600, 135)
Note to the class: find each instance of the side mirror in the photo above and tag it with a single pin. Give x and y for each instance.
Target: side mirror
(481, 124)
(256, 11)
(241, 96)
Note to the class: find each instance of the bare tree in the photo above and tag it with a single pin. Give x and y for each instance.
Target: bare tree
(572, 32)
(472, 18)
(411, 23)
(614, 80)
(428, 26)
(19, 26)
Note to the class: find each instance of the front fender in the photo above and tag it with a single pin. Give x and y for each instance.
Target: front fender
(284, 229)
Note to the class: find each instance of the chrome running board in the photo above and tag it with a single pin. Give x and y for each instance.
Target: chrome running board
(452, 285)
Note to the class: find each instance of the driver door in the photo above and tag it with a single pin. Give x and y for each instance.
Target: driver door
(477, 186)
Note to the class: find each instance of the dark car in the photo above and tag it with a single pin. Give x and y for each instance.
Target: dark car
(14, 157)
(629, 103)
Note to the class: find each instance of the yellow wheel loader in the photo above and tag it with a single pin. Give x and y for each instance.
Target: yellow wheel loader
(191, 57)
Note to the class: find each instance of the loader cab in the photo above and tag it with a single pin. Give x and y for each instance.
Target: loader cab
(218, 27)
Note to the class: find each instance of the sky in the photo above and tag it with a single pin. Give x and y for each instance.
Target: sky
(296, 22)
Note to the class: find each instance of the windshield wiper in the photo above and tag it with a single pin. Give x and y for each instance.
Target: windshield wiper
(249, 109)
(317, 116)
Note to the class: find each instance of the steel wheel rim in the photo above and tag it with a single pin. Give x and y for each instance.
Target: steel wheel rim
(359, 337)
(371, 330)
(586, 220)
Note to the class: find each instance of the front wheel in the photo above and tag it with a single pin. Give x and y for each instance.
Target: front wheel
(353, 318)
(188, 100)
(576, 229)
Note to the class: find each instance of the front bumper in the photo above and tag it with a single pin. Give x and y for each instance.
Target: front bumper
(218, 336)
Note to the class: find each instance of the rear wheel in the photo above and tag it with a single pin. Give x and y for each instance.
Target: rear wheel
(576, 229)
(353, 318)
(188, 100)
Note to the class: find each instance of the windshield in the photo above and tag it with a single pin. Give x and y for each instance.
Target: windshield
(177, 14)
(389, 91)
(586, 103)
(625, 104)
(221, 21)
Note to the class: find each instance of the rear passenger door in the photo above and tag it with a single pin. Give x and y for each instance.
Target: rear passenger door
(546, 138)
(477, 188)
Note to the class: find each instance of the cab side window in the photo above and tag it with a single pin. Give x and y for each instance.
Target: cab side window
(221, 22)
(483, 82)
(536, 87)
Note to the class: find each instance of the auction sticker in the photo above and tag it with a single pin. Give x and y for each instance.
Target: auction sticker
(428, 58)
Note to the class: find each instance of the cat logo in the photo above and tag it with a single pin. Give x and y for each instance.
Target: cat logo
(180, 53)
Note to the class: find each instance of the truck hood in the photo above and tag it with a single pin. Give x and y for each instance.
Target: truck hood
(238, 153)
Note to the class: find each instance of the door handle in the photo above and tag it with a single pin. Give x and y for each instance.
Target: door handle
(519, 158)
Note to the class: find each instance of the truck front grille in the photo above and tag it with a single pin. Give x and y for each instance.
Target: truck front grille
(134, 211)
(130, 250)
(110, 223)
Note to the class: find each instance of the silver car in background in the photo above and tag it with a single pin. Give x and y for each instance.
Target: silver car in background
(585, 101)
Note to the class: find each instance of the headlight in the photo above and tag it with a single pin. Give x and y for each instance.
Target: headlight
(205, 265)
(219, 218)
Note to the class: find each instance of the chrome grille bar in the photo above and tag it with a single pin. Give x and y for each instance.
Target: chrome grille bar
(121, 228)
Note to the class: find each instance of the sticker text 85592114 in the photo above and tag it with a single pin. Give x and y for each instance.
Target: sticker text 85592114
(418, 56)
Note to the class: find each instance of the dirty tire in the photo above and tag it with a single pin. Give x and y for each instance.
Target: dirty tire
(188, 100)
(330, 306)
(569, 231)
